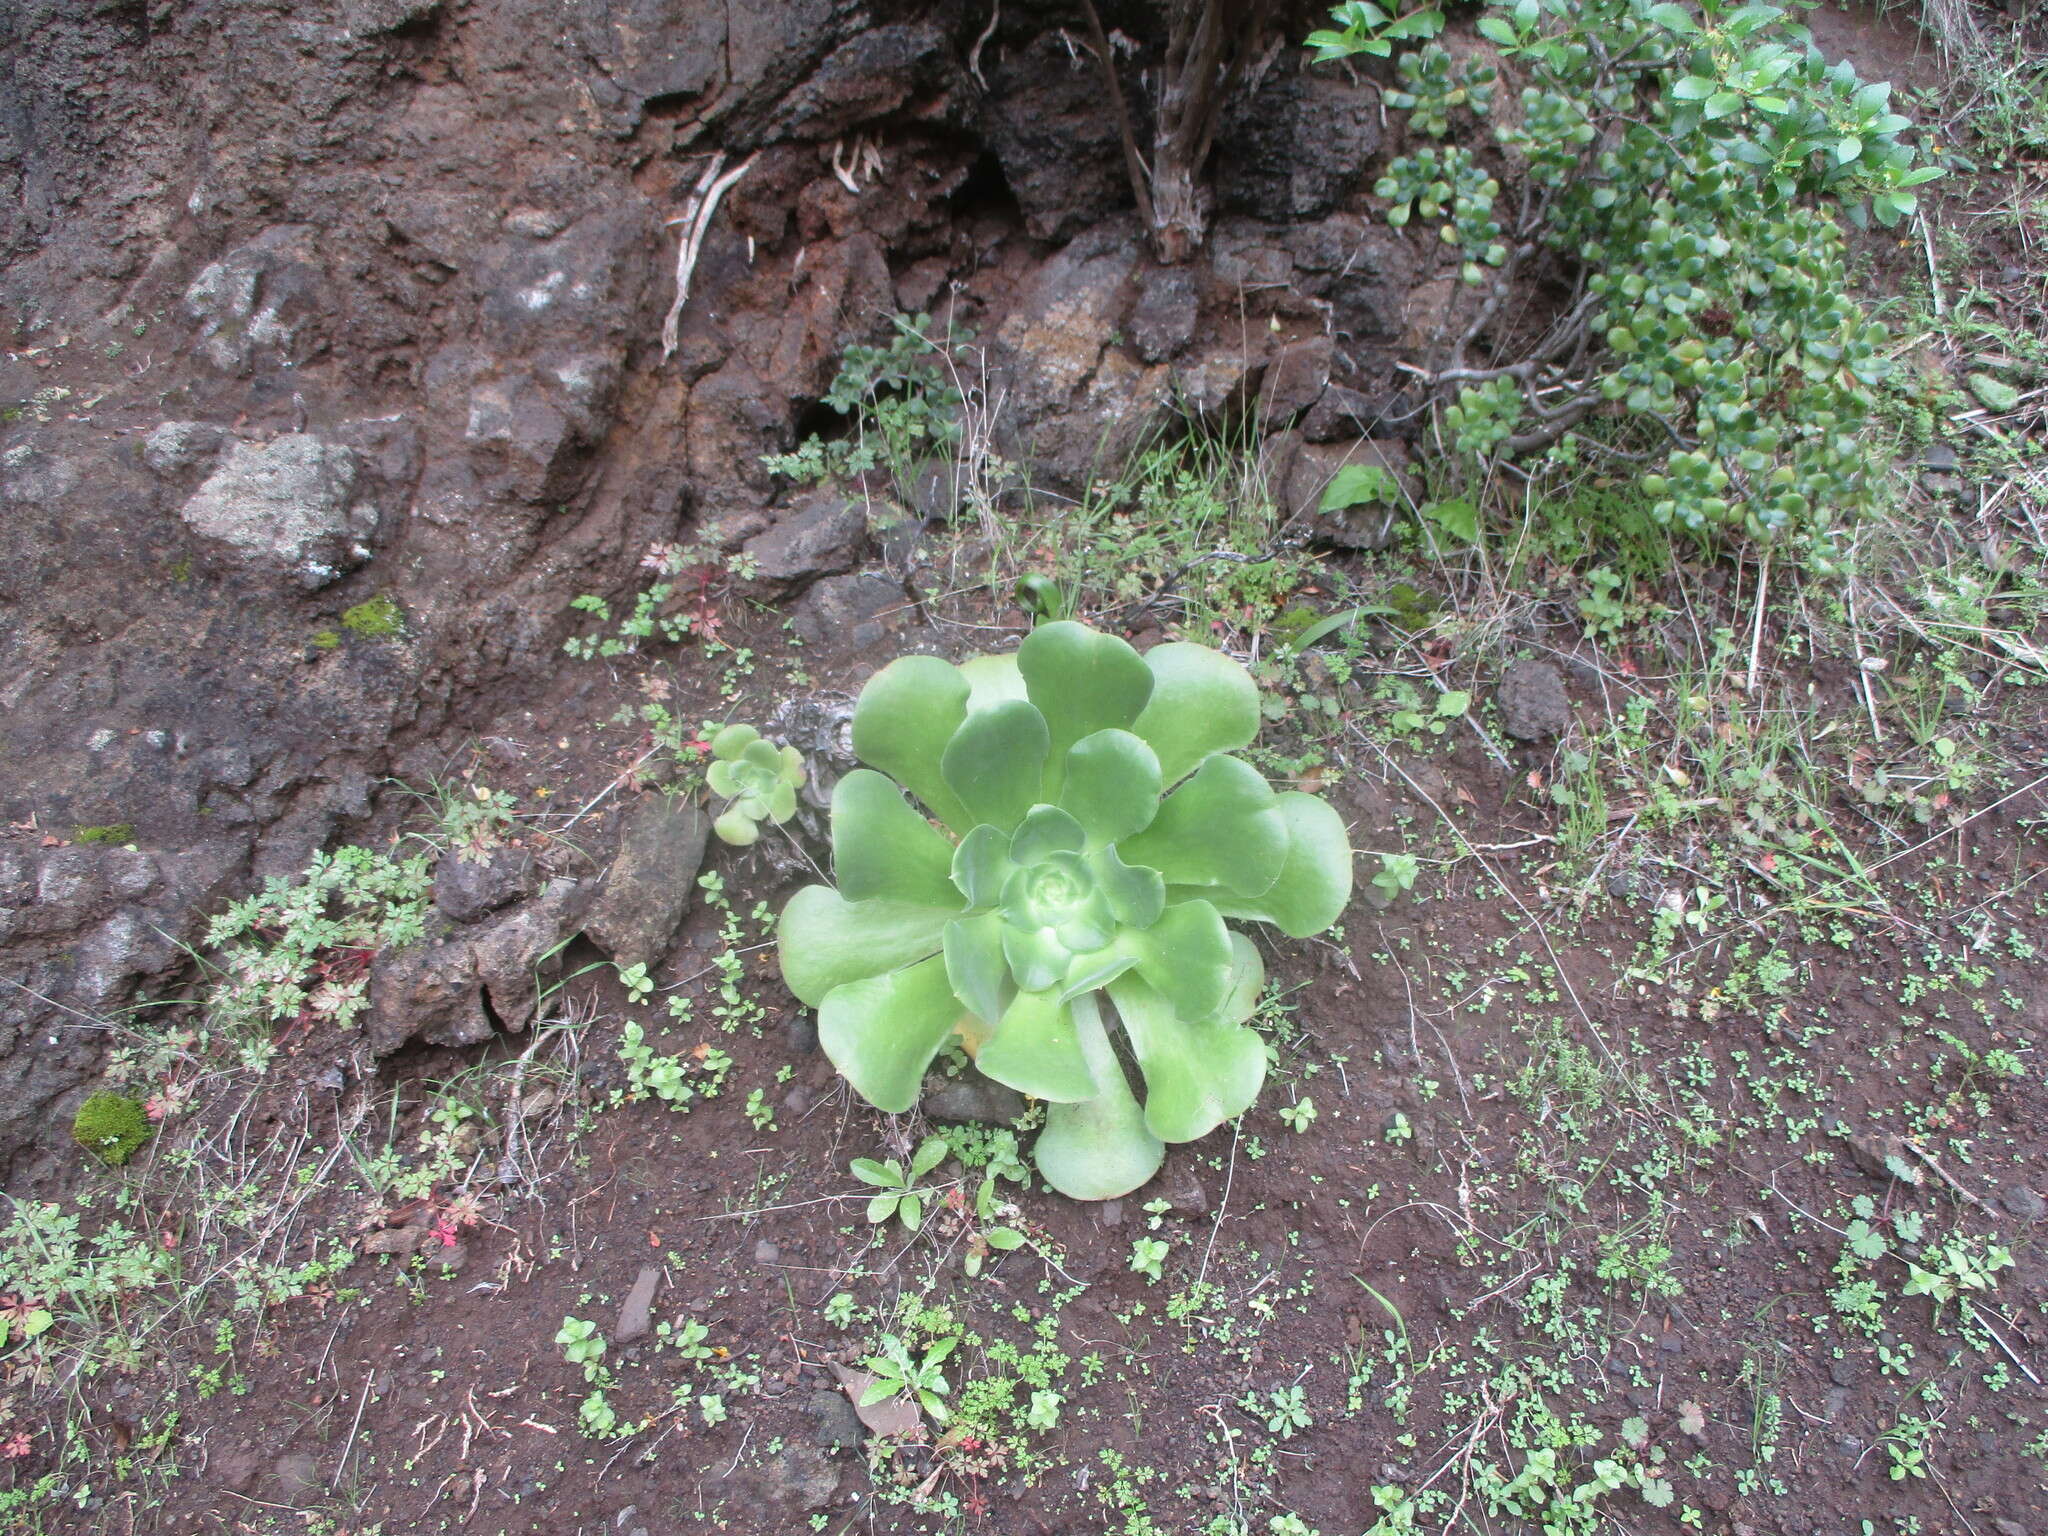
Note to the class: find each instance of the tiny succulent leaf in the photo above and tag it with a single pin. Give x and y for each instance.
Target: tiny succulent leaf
(828, 941)
(977, 966)
(1064, 878)
(1222, 827)
(1110, 785)
(732, 741)
(902, 722)
(1202, 702)
(1314, 885)
(884, 1031)
(1082, 681)
(995, 762)
(737, 828)
(1037, 1051)
(882, 848)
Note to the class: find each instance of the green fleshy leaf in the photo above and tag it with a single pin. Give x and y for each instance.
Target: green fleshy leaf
(1097, 970)
(1202, 702)
(1082, 681)
(901, 723)
(732, 741)
(1038, 959)
(977, 966)
(825, 941)
(995, 761)
(883, 849)
(1314, 885)
(1186, 955)
(1111, 786)
(723, 778)
(1222, 827)
(1045, 830)
(1036, 1051)
(764, 757)
(1089, 929)
(1197, 1074)
(883, 1032)
(1098, 1149)
(982, 867)
(992, 680)
(782, 804)
(737, 828)
(1136, 895)
(793, 769)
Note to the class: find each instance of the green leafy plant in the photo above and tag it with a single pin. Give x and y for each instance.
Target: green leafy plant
(1104, 832)
(901, 1198)
(758, 779)
(898, 1373)
(111, 1126)
(1691, 163)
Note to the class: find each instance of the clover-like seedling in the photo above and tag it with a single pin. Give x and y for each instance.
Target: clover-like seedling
(1084, 832)
(758, 779)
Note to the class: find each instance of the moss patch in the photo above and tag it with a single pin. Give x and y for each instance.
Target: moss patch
(111, 1126)
(376, 618)
(112, 832)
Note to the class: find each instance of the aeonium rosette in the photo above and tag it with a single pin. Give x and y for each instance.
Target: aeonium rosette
(1084, 833)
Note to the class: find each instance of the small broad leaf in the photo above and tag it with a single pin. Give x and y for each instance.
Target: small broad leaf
(1111, 786)
(995, 763)
(1457, 517)
(883, 849)
(1692, 88)
(880, 1209)
(1674, 18)
(1202, 702)
(911, 1209)
(930, 1153)
(825, 941)
(883, 1175)
(1002, 1239)
(1994, 393)
(1359, 485)
(1082, 682)
(1222, 827)
(1035, 1050)
(883, 1032)
(902, 722)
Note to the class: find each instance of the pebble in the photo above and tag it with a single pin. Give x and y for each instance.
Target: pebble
(2023, 1202)
(766, 1252)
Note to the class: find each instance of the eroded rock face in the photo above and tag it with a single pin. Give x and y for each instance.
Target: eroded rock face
(362, 298)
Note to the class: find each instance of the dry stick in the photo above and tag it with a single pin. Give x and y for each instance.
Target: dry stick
(696, 222)
(1223, 1205)
(1534, 922)
(1134, 163)
(1756, 638)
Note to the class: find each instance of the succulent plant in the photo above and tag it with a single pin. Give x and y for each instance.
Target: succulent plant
(757, 778)
(1088, 834)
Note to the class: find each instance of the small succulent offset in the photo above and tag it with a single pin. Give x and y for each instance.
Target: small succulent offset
(757, 778)
(1097, 832)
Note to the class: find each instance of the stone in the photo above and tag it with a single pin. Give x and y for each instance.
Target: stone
(293, 1480)
(1292, 150)
(838, 1426)
(819, 535)
(851, 613)
(253, 306)
(286, 503)
(468, 890)
(1341, 412)
(801, 1476)
(177, 446)
(767, 1252)
(1532, 701)
(2023, 1202)
(1054, 134)
(973, 1099)
(515, 952)
(636, 1312)
(647, 891)
(1295, 379)
(460, 985)
(1302, 472)
(1163, 320)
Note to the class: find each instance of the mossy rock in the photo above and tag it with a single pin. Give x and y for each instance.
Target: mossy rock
(111, 1126)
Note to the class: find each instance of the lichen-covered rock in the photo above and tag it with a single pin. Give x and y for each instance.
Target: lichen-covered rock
(817, 535)
(286, 503)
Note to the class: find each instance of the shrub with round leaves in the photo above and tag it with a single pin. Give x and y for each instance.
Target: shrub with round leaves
(1079, 833)
(757, 778)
